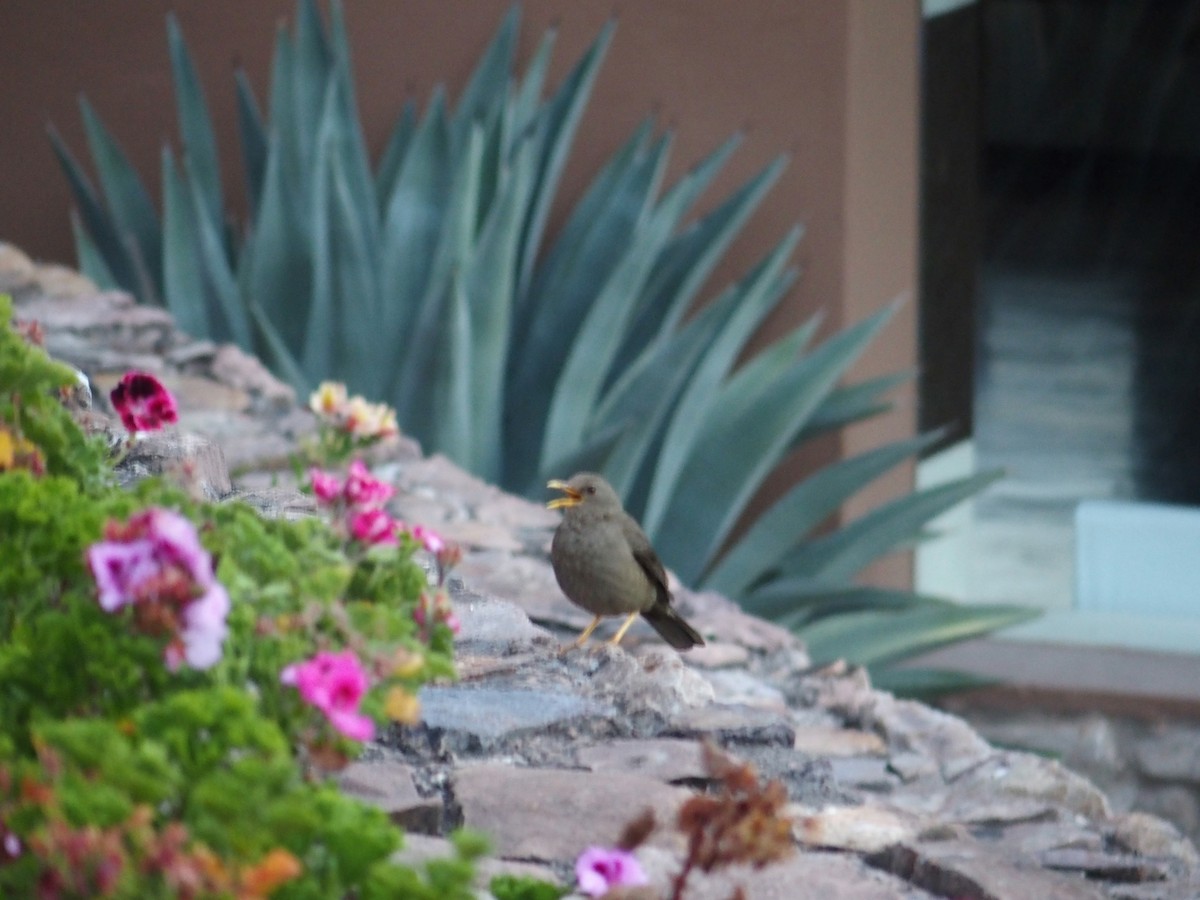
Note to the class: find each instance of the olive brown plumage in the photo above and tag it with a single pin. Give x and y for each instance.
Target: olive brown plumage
(604, 563)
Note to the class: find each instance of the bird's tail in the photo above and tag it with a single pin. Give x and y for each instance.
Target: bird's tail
(674, 630)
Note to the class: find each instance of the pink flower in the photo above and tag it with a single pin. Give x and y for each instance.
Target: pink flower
(119, 569)
(373, 526)
(143, 403)
(334, 683)
(325, 485)
(599, 870)
(428, 538)
(155, 562)
(364, 489)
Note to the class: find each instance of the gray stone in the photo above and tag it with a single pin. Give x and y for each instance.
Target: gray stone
(191, 460)
(869, 773)
(1098, 865)
(1149, 835)
(734, 725)
(969, 869)
(475, 719)
(664, 758)
(823, 740)
(654, 683)
(1171, 756)
(908, 726)
(551, 815)
(863, 829)
(389, 786)
(803, 876)
(717, 655)
(491, 625)
(739, 686)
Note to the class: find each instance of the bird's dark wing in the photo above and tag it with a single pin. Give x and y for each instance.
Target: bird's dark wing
(646, 557)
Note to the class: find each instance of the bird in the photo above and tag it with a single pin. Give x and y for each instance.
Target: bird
(605, 564)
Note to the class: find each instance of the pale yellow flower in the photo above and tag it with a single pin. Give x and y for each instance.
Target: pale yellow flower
(329, 399)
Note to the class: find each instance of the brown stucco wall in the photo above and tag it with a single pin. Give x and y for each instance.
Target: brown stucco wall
(832, 83)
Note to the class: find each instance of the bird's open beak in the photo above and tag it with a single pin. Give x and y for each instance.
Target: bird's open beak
(572, 497)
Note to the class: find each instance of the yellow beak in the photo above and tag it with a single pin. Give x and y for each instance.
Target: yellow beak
(572, 497)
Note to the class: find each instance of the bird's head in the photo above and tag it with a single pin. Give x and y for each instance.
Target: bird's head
(584, 488)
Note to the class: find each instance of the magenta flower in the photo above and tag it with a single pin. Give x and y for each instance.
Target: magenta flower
(599, 870)
(364, 489)
(373, 526)
(334, 683)
(428, 538)
(325, 485)
(156, 564)
(143, 403)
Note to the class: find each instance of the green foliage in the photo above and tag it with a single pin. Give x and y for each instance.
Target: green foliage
(430, 283)
(122, 778)
(519, 887)
(29, 386)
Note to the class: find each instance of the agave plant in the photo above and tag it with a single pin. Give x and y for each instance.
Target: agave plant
(429, 282)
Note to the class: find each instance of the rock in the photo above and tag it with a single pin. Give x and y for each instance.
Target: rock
(868, 773)
(476, 719)
(17, 271)
(1171, 756)
(653, 684)
(237, 369)
(490, 625)
(389, 786)
(1098, 865)
(739, 686)
(969, 869)
(908, 726)
(195, 461)
(863, 829)
(734, 725)
(804, 876)
(1149, 835)
(551, 815)
(665, 759)
(718, 655)
(817, 740)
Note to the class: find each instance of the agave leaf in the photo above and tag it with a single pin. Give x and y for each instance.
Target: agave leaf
(878, 637)
(427, 338)
(757, 294)
(275, 350)
(795, 602)
(91, 260)
(412, 226)
(254, 140)
(598, 339)
(483, 99)
(279, 265)
(851, 403)
(132, 212)
(312, 62)
(99, 224)
(926, 684)
(348, 140)
(227, 314)
(741, 440)
(529, 94)
(778, 530)
(450, 383)
(394, 154)
(553, 272)
(183, 277)
(569, 291)
(690, 258)
(490, 287)
(195, 125)
(558, 123)
(847, 550)
(646, 394)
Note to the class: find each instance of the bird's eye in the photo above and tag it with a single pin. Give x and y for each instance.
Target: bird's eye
(591, 489)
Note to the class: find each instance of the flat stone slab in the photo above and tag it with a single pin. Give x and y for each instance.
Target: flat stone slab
(817, 740)
(969, 869)
(485, 716)
(389, 786)
(551, 815)
(420, 848)
(728, 724)
(665, 759)
(805, 876)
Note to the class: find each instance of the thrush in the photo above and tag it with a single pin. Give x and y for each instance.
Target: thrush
(604, 563)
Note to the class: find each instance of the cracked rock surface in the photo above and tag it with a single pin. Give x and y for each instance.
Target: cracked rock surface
(551, 753)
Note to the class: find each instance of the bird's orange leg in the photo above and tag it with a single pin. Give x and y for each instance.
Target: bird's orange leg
(616, 638)
(583, 636)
